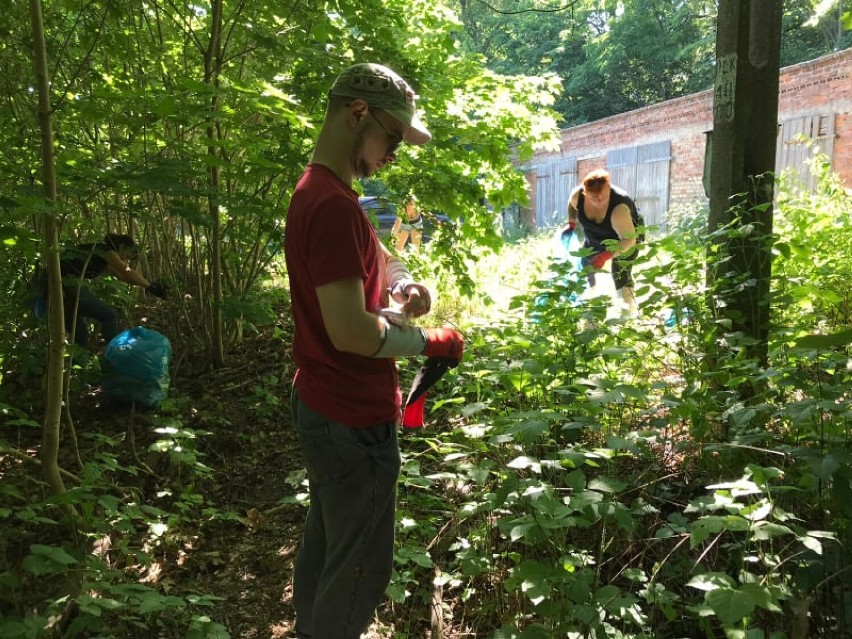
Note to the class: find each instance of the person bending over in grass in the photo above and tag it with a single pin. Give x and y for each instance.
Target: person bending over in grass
(608, 217)
(84, 263)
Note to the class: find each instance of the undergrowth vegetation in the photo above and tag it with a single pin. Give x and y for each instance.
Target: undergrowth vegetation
(584, 476)
(579, 475)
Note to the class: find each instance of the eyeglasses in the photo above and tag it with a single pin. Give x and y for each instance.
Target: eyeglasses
(395, 138)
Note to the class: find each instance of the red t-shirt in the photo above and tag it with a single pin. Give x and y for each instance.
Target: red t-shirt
(329, 238)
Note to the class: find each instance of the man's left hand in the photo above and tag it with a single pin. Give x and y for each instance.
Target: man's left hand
(415, 298)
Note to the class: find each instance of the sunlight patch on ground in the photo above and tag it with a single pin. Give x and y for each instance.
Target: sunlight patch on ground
(152, 573)
(280, 630)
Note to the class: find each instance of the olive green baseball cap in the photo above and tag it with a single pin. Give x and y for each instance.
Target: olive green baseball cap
(382, 88)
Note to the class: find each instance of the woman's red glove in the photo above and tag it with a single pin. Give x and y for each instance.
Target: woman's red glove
(600, 259)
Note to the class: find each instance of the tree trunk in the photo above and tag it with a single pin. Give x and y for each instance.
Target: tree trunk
(50, 255)
(212, 69)
(745, 125)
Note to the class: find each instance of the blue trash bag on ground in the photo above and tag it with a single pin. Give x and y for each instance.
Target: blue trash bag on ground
(136, 367)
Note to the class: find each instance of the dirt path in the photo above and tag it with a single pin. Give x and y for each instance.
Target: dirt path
(236, 542)
(252, 450)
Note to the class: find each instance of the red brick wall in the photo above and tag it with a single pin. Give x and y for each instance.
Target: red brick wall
(842, 160)
(821, 85)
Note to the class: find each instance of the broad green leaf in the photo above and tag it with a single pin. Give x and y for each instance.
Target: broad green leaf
(576, 480)
(406, 554)
(711, 581)
(761, 596)
(473, 408)
(762, 475)
(520, 531)
(825, 342)
(764, 530)
(729, 605)
(151, 602)
(523, 463)
(54, 553)
(607, 593)
(528, 430)
(607, 484)
(757, 511)
(738, 488)
(583, 499)
(811, 544)
(713, 524)
(622, 443)
(38, 565)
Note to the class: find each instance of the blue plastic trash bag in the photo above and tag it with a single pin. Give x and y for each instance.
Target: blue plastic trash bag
(677, 317)
(565, 245)
(136, 367)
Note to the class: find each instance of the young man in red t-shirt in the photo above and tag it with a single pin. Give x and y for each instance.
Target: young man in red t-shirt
(346, 399)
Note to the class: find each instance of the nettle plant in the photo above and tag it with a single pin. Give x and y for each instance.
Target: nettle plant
(104, 576)
(764, 543)
(588, 477)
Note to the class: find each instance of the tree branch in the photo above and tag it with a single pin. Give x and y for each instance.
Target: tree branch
(566, 7)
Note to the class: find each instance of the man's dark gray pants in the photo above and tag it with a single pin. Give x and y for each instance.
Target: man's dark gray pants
(345, 559)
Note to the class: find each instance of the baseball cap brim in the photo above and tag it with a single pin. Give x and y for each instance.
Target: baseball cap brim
(416, 132)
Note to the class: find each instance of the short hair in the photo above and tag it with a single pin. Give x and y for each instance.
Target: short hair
(117, 241)
(337, 103)
(596, 180)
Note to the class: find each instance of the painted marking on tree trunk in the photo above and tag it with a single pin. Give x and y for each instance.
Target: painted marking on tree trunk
(725, 88)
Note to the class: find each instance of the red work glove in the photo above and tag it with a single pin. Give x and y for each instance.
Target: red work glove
(444, 342)
(600, 259)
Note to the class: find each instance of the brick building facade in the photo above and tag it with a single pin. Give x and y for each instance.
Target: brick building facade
(657, 152)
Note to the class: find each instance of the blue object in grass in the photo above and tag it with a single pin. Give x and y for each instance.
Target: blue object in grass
(136, 367)
(677, 317)
(567, 245)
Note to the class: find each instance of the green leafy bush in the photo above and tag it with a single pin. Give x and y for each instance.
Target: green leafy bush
(584, 476)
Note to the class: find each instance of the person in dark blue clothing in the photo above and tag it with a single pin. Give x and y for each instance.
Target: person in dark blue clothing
(86, 262)
(608, 217)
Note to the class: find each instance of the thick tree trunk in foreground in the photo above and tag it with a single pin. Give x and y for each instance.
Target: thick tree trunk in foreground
(745, 121)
